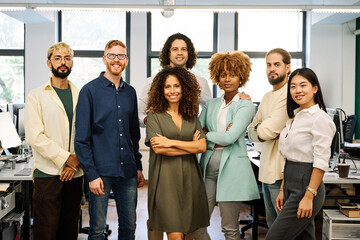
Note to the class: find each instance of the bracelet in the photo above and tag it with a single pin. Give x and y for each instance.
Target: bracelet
(72, 167)
(313, 191)
(281, 189)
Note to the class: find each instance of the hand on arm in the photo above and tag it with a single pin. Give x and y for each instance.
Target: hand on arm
(227, 129)
(147, 111)
(67, 174)
(205, 130)
(244, 96)
(256, 126)
(306, 204)
(72, 166)
(269, 127)
(163, 145)
(196, 135)
(73, 162)
(97, 186)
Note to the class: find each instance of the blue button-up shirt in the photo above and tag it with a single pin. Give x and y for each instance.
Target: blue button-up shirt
(107, 130)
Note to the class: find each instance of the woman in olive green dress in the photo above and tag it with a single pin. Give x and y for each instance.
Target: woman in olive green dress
(177, 201)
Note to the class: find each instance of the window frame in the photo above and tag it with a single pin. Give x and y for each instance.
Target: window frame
(155, 54)
(100, 53)
(6, 52)
(294, 55)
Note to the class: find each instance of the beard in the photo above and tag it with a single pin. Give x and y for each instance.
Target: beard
(274, 81)
(117, 72)
(58, 73)
(179, 65)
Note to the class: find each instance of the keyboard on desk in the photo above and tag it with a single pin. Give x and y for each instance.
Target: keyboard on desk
(24, 172)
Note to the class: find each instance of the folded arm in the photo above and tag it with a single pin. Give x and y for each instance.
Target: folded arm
(269, 129)
(240, 122)
(170, 147)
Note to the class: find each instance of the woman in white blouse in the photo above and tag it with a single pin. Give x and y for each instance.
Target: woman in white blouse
(305, 143)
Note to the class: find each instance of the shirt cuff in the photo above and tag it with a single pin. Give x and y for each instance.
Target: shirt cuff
(61, 158)
(321, 164)
(92, 175)
(139, 166)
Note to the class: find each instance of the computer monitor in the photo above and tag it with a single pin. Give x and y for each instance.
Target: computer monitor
(16, 110)
(338, 140)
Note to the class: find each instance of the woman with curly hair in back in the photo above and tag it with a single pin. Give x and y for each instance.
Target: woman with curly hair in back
(177, 202)
(229, 178)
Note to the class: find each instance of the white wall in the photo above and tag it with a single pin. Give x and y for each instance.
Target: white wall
(332, 57)
(38, 38)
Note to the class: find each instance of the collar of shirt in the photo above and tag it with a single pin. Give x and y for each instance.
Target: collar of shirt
(106, 82)
(234, 99)
(310, 110)
(49, 86)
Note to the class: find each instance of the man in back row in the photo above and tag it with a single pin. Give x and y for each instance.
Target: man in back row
(178, 51)
(266, 126)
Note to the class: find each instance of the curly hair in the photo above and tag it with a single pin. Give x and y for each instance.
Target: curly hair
(189, 102)
(236, 62)
(165, 51)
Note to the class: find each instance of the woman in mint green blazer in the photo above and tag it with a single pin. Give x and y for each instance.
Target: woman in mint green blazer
(229, 178)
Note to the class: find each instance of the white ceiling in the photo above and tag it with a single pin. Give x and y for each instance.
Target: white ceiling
(317, 18)
(192, 2)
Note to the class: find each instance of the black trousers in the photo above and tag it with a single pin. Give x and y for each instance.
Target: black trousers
(287, 226)
(56, 208)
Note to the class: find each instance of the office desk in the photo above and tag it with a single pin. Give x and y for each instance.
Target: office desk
(330, 178)
(253, 154)
(7, 175)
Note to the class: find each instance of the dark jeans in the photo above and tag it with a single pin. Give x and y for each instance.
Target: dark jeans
(56, 208)
(125, 193)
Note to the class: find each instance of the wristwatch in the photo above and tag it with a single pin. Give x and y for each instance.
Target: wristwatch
(313, 191)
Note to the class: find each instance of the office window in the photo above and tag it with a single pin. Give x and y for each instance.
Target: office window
(11, 60)
(87, 33)
(259, 32)
(188, 23)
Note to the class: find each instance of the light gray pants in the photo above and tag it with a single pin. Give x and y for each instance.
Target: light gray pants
(229, 211)
(270, 193)
(287, 226)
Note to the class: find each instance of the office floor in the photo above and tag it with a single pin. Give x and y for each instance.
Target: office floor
(142, 216)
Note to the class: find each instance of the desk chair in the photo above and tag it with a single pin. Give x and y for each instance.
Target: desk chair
(349, 128)
(257, 208)
(86, 229)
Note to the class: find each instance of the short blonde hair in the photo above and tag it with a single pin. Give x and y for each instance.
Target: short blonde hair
(113, 43)
(61, 47)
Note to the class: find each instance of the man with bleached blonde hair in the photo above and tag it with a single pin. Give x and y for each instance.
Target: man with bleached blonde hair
(49, 123)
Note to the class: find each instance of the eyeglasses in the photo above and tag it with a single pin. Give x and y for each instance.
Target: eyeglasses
(113, 56)
(59, 59)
